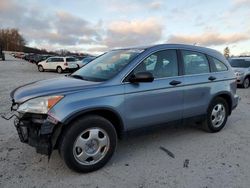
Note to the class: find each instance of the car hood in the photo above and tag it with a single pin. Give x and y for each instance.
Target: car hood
(49, 87)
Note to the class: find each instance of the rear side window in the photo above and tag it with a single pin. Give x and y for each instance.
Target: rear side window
(55, 59)
(58, 60)
(195, 63)
(218, 66)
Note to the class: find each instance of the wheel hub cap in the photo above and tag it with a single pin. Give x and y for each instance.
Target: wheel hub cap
(91, 146)
(218, 115)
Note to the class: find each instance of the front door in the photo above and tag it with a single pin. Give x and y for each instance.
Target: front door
(159, 101)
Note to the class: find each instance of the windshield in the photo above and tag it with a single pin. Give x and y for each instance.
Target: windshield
(241, 63)
(107, 66)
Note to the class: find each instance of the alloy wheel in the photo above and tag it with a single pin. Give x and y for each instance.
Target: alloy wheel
(91, 146)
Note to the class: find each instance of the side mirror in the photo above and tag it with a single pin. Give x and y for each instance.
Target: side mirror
(141, 77)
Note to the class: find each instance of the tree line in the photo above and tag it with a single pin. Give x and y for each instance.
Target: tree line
(11, 40)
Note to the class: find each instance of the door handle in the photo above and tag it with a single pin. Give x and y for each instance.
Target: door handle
(212, 78)
(174, 82)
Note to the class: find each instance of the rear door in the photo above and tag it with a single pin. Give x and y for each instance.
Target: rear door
(197, 90)
(59, 62)
(159, 101)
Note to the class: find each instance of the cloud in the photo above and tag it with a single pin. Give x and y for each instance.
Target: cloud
(61, 29)
(155, 5)
(68, 24)
(41, 27)
(209, 38)
(129, 6)
(133, 33)
(241, 3)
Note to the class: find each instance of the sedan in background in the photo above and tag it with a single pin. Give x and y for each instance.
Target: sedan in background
(241, 67)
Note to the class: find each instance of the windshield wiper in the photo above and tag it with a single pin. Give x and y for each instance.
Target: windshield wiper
(76, 76)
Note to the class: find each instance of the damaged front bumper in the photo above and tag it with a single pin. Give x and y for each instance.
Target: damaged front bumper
(37, 130)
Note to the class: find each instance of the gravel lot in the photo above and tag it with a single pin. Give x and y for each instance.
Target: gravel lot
(200, 159)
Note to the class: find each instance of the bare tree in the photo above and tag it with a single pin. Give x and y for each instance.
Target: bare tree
(11, 40)
(227, 52)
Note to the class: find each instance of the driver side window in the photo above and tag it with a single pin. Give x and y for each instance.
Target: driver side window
(161, 64)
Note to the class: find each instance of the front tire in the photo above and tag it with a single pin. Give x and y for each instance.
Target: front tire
(88, 144)
(217, 115)
(40, 68)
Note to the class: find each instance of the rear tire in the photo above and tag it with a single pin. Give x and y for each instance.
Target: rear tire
(40, 68)
(217, 115)
(59, 70)
(246, 83)
(88, 144)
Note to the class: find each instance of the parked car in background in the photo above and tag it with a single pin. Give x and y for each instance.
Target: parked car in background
(85, 61)
(29, 57)
(241, 67)
(2, 56)
(42, 58)
(38, 58)
(80, 58)
(125, 89)
(19, 55)
(59, 64)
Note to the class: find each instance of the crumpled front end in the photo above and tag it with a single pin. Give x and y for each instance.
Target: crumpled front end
(37, 130)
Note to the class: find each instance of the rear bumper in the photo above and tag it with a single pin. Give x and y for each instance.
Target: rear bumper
(38, 131)
(235, 101)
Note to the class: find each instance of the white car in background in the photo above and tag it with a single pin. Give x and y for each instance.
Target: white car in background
(58, 64)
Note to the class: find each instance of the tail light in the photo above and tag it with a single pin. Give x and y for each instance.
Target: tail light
(66, 64)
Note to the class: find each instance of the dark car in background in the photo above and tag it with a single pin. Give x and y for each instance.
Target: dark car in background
(36, 58)
(39, 58)
(241, 67)
(85, 61)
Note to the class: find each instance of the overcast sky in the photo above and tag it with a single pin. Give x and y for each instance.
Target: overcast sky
(98, 25)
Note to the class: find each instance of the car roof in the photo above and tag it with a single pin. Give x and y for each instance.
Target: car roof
(240, 57)
(201, 49)
(168, 46)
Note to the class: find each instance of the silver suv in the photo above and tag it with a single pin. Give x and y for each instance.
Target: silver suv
(241, 67)
(125, 89)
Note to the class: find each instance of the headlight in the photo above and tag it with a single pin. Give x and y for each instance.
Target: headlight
(40, 105)
(239, 73)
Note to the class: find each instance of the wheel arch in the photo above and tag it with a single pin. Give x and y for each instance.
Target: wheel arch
(106, 113)
(227, 97)
(247, 76)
